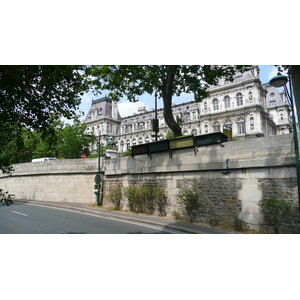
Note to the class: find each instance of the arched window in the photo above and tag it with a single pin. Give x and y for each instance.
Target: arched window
(216, 127)
(239, 99)
(227, 102)
(186, 116)
(185, 132)
(128, 144)
(134, 142)
(215, 104)
(228, 124)
(147, 139)
(206, 129)
(194, 131)
(241, 125)
(122, 145)
(140, 141)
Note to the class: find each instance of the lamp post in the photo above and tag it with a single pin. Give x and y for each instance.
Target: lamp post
(281, 81)
(98, 176)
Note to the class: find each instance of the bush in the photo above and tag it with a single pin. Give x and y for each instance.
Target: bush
(240, 224)
(176, 215)
(274, 211)
(127, 153)
(6, 198)
(190, 200)
(115, 196)
(144, 198)
(161, 200)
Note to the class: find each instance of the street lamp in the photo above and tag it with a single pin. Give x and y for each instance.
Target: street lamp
(98, 176)
(281, 81)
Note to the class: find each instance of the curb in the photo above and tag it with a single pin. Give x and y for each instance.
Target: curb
(123, 217)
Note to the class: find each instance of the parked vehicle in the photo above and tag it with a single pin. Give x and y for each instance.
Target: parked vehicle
(44, 159)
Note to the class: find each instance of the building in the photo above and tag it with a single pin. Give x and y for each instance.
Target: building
(246, 106)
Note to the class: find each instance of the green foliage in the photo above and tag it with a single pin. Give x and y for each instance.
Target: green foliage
(167, 80)
(32, 95)
(190, 200)
(274, 211)
(145, 198)
(176, 215)
(6, 198)
(169, 135)
(72, 140)
(127, 153)
(115, 196)
(240, 224)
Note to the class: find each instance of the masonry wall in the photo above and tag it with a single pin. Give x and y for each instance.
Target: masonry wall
(58, 181)
(260, 167)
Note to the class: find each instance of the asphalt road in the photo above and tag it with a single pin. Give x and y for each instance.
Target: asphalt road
(22, 218)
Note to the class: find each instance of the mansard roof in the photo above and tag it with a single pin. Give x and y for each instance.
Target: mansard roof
(102, 107)
(273, 97)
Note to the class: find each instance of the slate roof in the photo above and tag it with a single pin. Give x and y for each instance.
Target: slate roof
(104, 109)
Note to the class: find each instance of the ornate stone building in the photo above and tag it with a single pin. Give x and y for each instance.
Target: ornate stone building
(246, 106)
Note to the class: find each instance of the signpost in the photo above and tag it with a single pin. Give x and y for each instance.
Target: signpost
(83, 155)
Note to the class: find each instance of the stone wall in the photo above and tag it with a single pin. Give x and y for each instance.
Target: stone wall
(260, 167)
(58, 181)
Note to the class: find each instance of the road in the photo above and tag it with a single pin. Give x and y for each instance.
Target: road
(22, 218)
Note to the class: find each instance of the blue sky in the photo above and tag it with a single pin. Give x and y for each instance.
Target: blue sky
(127, 108)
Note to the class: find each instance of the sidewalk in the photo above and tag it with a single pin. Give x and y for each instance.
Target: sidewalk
(159, 221)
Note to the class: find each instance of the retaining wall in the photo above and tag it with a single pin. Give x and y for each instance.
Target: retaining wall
(260, 167)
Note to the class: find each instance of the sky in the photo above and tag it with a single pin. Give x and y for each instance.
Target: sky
(127, 108)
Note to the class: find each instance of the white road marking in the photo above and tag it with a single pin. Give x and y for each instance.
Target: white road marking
(16, 212)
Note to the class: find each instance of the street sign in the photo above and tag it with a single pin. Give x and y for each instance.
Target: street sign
(97, 179)
(83, 155)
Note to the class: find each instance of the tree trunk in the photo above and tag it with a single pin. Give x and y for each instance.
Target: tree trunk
(167, 92)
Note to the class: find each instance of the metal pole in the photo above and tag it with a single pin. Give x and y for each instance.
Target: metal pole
(156, 123)
(295, 135)
(98, 175)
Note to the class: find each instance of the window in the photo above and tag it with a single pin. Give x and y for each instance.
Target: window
(140, 141)
(227, 102)
(239, 99)
(122, 145)
(241, 125)
(186, 116)
(215, 104)
(147, 139)
(228, 124)
(216, 127)
(272, 103)
(194, 131)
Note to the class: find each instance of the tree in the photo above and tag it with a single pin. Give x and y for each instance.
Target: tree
(133, 81)
(33, 97)
(71, 140)
(274, 211)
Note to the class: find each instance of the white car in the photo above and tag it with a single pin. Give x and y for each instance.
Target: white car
(44, 159)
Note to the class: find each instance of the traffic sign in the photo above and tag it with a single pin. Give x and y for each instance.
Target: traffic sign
(83, 155)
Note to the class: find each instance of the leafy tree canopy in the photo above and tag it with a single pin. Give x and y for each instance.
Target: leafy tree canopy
(33, 98)
(166, 80)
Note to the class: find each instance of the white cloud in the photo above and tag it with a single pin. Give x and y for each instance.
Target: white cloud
(128, 108)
